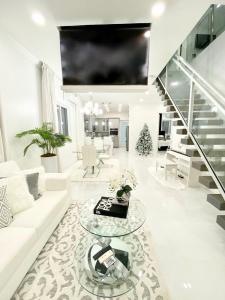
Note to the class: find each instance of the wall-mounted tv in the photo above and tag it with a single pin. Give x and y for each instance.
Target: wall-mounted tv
(115, 54)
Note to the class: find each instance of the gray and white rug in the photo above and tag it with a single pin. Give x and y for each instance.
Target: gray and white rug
(52, 276)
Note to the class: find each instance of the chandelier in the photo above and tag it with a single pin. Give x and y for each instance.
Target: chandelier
(92, 109)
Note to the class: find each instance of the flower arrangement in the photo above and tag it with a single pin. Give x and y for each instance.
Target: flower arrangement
(123, 184)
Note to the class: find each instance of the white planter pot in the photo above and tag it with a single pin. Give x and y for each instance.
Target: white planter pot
(50, 164)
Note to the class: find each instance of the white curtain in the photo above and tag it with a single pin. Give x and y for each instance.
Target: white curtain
(50, 87)
(79, 119)
(2, 156)
(49, 106)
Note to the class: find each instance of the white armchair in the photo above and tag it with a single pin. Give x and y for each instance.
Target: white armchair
(99, 145)
(108, 145)
(89, 158)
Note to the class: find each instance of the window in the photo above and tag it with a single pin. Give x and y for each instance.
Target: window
(62, 120)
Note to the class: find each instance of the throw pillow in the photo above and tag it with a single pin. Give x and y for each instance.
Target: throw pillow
(32, 181)
(41, 178)
(5, 212)
(18, 195)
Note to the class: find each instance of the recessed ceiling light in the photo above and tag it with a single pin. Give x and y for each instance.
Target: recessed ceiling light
(147, 93)
(38, 18)
(141, 100)
(158, 9)
(147, 34)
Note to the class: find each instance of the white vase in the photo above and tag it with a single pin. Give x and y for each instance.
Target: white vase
(50, 164)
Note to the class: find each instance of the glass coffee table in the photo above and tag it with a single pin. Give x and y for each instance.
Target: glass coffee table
(117, 234)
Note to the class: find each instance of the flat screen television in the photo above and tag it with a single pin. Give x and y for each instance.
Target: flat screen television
(115, 54)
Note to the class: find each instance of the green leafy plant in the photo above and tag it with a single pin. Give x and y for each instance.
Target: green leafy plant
(46, 139)
(124, 190)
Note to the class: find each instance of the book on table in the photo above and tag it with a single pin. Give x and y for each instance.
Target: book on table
(109, 206)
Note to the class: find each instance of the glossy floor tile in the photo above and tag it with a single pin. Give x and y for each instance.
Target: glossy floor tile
(189, 245)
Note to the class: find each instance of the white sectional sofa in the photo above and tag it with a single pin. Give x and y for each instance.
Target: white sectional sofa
(24, 238)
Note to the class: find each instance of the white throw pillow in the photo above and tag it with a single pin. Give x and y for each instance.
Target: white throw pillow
(41, 178)
(18, 196)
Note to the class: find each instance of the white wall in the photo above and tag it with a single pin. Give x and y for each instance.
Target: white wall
(211, 63)
(146, 112)
(20, 79)
(122, 116)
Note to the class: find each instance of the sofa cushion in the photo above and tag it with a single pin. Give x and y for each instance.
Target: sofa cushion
(15, 243)
(42, 213)
(18, 196)
(8, 168)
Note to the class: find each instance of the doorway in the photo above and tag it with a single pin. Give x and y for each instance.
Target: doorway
(123, 133)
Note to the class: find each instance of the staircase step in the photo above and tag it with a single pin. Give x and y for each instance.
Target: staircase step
(172, 115)
(192, 153)
(221, 221)
(216, 200)
(218, 166)
(201, 114)
(209, 153)
(178, 123)
(214, 152)
(197, 96)
(208, 181)
(165, 97)
(182, 131)
(219, 130)
(186, 102)
(199, 165)
(197, 107)
(186, 141)
(167, 103)
(170, 108)
(211, 141)
(208, 122)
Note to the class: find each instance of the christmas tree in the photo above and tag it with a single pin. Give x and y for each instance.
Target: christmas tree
(144, 143)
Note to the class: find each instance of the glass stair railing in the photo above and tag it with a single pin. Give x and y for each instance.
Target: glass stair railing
(201, 109)
(209, 27)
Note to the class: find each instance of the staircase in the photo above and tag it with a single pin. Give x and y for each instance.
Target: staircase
(199, 117)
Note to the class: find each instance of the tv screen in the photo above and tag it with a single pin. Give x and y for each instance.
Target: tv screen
(105, 54)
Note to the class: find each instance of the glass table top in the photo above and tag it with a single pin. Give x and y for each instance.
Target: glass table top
(109, 226)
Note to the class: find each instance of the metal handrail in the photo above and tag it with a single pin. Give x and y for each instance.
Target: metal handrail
(199, 85)
(206, 83)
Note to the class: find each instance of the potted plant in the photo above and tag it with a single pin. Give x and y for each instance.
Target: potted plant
(46, 139)
(123, 185)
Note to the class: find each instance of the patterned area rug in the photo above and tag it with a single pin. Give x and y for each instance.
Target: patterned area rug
(52, 276)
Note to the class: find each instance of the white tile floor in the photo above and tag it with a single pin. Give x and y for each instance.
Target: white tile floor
(190, 246)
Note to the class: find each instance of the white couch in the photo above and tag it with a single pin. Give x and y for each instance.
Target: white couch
(22, 241)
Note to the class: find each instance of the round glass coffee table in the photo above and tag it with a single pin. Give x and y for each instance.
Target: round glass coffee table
(116, 235)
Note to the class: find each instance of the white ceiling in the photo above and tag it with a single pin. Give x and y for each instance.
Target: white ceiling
(168, 31)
